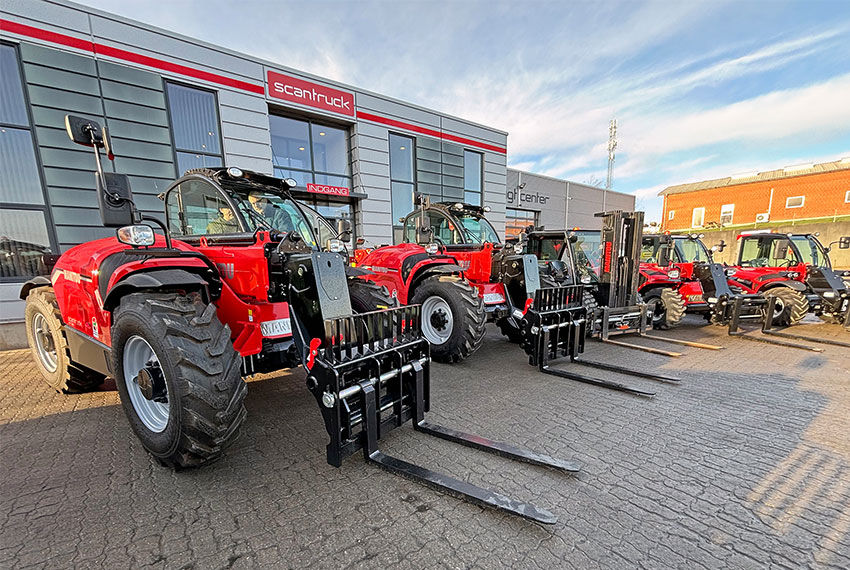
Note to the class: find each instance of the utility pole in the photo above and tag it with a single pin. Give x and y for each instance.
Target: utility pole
(612, 146)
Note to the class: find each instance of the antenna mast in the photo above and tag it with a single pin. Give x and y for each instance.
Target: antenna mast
(612, 146)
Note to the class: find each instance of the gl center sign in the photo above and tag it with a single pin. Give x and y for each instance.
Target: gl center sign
(519, 198)
(303, 92)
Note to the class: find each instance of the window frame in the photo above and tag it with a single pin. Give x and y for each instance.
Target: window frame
(480, 190)
(396, 224)
(174, 150)
(45, 207)
(731, 213)
(535, 218)
(701, 209)
(312, 171)
(802, 202)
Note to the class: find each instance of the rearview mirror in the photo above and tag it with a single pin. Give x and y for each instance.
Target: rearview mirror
(844, 242)
(87, 132)
(781, 250)
(343, 227)
(116, 200)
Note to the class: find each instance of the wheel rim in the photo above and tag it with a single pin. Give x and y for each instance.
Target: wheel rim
(437, 320)
(44, 343)
(779, 307)
(659, 311)
(138, 354)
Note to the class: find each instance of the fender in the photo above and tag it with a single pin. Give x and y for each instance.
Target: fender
(790, 283)
(166, 279)
(431, 269)
(39, 281)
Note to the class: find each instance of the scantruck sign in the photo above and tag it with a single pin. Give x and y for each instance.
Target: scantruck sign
(296, 90)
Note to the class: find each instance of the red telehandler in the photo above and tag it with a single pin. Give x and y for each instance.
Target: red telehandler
(238, 284)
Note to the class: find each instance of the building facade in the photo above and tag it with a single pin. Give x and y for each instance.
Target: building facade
(172, 103)
(804, 193)
(555, 204)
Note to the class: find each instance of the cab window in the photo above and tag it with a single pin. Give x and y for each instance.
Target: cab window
(757, 252)
(196, 207)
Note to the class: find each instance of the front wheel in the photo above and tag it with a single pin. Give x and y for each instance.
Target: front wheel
(790, 308)
(178, 377)
(453, 318)
(668, 307)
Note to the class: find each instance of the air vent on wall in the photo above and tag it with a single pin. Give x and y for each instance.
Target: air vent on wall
(762, 218)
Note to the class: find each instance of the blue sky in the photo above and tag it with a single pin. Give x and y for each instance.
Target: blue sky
(700, 89)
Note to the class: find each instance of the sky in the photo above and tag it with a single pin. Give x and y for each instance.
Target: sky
(700, 90)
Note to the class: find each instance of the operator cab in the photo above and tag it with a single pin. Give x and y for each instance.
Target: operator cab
(232, 204)
(451, 224)
(686, 249)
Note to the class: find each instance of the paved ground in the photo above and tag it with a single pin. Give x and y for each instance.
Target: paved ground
(744, 465)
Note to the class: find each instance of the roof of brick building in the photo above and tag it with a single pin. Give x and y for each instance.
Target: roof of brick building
(747, 177)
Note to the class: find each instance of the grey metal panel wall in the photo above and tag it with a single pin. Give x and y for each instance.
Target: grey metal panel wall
(130, 102)
(68, 168)
(585, 201)
(370, 154)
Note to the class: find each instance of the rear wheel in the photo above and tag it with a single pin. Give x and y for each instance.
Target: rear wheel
(453, 318)
(790, 308)
(178, 377)
(668, 307)
(50, 347)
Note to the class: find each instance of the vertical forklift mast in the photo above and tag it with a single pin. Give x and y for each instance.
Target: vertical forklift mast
(622, 233)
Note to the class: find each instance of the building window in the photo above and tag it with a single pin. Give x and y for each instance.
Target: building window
(671, 214)
(698, 218)
(726, 213)
(847, 197)
(795, 201)
(311, 153)
(402, 182)
(24, 234)
(194, 127)
(472, 176)
(517, 220)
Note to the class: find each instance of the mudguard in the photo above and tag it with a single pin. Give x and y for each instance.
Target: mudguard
(39, 281)
(790, 283)
(166, 279)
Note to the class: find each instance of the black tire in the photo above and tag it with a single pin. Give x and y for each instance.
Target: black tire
(205, 390)
(50, 352)
(668, 307)
(509, 330)
(366, 296)
(468, 319)
(791, 306)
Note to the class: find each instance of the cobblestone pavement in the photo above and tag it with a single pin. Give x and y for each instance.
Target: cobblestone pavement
(746, 464)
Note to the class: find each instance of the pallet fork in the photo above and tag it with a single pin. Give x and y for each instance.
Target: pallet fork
(370, 373)
(555, 326)
(769, 328)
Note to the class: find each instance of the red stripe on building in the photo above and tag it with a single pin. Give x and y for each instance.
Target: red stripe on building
(429, 132)
(53, 37)
(117, 53)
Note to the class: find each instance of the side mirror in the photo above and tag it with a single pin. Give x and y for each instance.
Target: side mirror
(116, 200)
(781, 251)
(844, 242)
(343, 227)
(88, 133)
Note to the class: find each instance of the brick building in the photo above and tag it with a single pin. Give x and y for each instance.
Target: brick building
(807, 192)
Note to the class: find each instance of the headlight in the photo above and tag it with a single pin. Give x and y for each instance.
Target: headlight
(730, 272)
(432, 248)
(793, 274)
(673, 274)
(829, 294)
(518, 248)
(235, 172)
(137, 236)
(335, 245)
